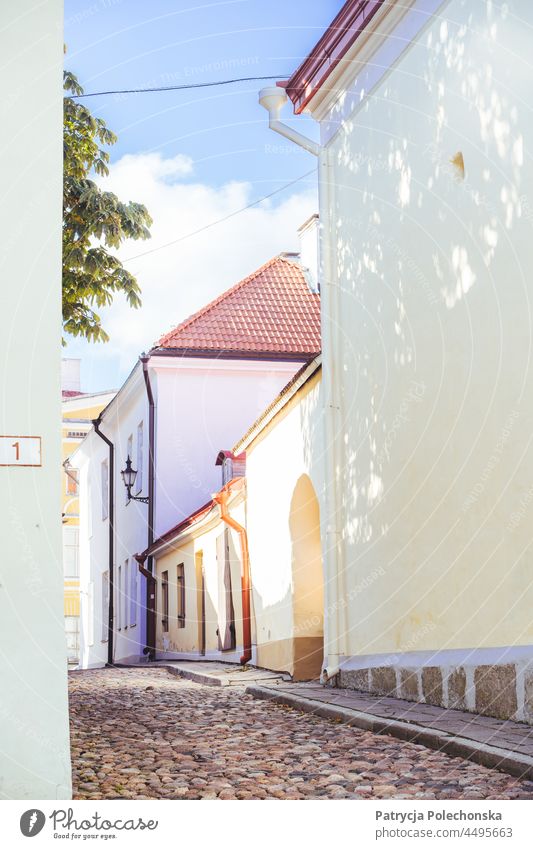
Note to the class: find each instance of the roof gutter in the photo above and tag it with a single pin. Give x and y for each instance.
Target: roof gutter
(111, 542)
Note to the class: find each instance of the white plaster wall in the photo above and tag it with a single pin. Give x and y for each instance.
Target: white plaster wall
(131, 531)
(93, 553)
(34, 736)
(435, 340)
(289, 448)
(204, 406)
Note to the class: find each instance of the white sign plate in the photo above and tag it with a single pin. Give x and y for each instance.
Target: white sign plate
(20, 451)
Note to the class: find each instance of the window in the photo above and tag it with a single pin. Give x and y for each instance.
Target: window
(164, 600)
(76, 434)
(129, 453)
(133, 594)
(118, 605)
(124, 594)
(70, 551)
(90, 614)
(139, 478)
(72, 476)
(181, 595)
(105, 490)
(72, 628)
(105, 604)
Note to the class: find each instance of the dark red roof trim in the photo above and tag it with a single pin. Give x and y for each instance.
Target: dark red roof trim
(180, 527)
(351, 21)
(208, 353)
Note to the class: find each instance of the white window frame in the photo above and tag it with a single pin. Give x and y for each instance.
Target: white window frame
(90, 614)
(72, 532)
(105, 606)
(104, 476)
(133, 593)
(124, 593)
(140, 458)
(118, 600)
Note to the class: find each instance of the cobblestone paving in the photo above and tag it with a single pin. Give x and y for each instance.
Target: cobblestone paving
(145, 734)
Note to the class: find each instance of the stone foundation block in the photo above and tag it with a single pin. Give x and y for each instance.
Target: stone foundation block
(496, 690)
(432, 689)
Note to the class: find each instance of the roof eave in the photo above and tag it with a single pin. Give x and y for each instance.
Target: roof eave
(213, 353)
(344, 30)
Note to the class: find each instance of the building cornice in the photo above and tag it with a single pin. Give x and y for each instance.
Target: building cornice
(346, 28)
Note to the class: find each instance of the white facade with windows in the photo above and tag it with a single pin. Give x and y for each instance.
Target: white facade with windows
(201, 406)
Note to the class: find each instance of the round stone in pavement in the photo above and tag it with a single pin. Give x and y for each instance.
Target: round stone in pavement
(146, 734)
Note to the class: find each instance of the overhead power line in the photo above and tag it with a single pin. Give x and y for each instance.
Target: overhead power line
(183, 87)
(225, 218)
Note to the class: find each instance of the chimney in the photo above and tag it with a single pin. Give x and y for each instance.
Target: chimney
(70, 375)
(308, 234)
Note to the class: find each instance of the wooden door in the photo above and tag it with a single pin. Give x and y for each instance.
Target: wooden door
(200, 589)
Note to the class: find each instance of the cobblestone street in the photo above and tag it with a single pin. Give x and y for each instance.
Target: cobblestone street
(146, 734)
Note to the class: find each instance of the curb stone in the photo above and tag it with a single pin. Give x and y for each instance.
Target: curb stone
(519, 766)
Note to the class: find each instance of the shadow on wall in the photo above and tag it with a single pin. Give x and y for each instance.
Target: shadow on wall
(307, 581)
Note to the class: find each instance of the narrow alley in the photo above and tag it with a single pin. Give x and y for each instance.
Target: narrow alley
(146, 734)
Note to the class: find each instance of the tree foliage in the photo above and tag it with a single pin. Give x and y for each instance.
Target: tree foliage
(93, 222)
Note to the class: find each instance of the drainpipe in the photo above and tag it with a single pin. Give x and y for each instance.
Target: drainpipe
(111, 544)
(221, 498)
(273, 99)
(149, 649)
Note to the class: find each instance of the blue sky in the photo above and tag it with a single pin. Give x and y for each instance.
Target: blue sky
(192, 156)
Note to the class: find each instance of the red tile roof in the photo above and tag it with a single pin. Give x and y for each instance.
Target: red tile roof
(70, 393)
(272, 312)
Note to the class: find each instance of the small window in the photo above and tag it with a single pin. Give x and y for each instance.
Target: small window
(133, 594)
(105, 605)
(76, 434)
(181, 595)
(140, 459)
(164, 600)
(124, 594)
(72, 476)
(70, 551)
(105, 490)
(118, 599)
(90, 614)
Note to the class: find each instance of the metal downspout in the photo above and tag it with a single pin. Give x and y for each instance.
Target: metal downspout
(111, 543)
(334, 549)
(335, 619)
(150, 595)
(221, 498)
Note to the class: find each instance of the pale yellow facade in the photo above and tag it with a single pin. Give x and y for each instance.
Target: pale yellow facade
(196, 632)
(278, 505)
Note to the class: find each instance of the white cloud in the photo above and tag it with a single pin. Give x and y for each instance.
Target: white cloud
(178, 280)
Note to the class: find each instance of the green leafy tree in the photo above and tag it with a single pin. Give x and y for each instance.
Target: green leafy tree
(93, 221)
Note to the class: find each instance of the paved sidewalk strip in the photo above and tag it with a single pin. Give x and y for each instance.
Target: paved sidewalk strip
(212, 673)
(500, 744)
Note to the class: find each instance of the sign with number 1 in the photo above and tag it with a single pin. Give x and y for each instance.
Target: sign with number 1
(20, 451)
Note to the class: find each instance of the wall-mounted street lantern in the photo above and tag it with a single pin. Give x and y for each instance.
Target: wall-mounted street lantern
(128, 476)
